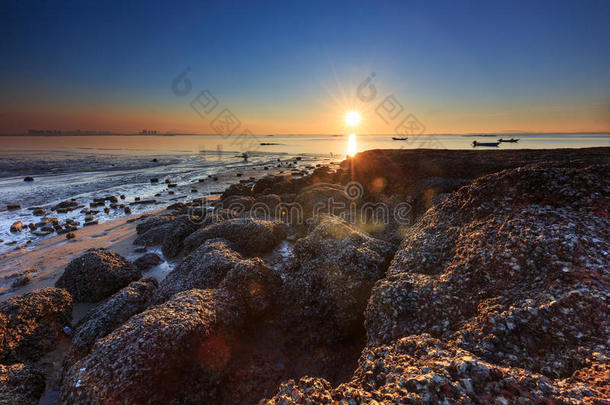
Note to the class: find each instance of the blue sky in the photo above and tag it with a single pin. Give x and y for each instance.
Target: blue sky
(461, 66)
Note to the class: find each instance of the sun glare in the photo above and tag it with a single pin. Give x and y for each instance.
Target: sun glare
(351, 145)
(352, 118)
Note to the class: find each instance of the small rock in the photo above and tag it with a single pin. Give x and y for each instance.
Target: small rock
(17, 226)
(147, 261)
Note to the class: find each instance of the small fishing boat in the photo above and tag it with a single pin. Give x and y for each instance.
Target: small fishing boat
(399, 139)
(512, 140)
(492, 144)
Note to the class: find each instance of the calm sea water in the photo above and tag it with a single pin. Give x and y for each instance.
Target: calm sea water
(290, 144)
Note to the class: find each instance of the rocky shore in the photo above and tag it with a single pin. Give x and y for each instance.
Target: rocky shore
(403, 276)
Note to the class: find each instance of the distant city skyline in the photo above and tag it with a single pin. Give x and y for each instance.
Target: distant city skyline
(296, 68)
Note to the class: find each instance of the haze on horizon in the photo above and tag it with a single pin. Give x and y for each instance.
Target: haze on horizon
(471, 67)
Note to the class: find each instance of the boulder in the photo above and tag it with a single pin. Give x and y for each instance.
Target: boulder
(237, 189)
(20, 384)
(248, 236)
(274, 184)
(238, 203)
(419, 369)
(17, 226)
(31, 324)
(147, 261)
(323, 199)
(509, 268)
(96, 275)
(181, 227)
(204, 268)
(337, 267)
(171, 353)
(267, 204)
(106, 317)
(168, 230)
(66, 205)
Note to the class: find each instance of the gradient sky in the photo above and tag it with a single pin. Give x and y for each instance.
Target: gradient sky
(293, 67)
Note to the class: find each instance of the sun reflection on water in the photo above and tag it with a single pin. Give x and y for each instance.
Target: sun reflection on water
(351, 145)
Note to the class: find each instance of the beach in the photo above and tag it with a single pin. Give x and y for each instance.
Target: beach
(317, 283)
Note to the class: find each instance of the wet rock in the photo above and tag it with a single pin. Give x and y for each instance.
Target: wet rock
(28, 178)
(204, 268)
(267, 204)
(39, 212)
(31, 324)
(337, 267)
(246, 235)
(237, 189)
(66, 205)
(13, 207)
(21, 280)
(127, 210)
(420, 369)
(20, 384)
(238, 203)
(173, 352)
(96, 275)
(17, 226)
(70, 235)
(148, 261)
(105, 318)
(274, 184)
(181, 228)
(323, 199)
(506, 268)
(152, 236)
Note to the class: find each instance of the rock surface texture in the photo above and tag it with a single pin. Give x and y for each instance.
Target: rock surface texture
(499, 294)
(106, 317)
(96, 275)
(31, 324)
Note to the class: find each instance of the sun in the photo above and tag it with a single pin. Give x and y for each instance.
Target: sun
(352, 118)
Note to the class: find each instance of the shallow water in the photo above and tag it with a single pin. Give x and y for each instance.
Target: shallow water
(64, 175)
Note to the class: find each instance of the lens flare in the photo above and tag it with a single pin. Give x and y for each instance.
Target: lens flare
(352, 118)
(351, 145)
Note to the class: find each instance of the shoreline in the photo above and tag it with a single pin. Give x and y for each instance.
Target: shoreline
(48, 259)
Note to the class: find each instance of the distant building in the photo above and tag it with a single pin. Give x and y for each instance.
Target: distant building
(44, 132)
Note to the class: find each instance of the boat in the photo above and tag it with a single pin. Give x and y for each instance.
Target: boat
(399, 139)
(512, 140)
(493, 144)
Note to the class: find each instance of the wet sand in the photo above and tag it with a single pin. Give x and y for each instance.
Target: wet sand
(46, 261)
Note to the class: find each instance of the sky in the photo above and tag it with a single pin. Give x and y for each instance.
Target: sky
(297, 67)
